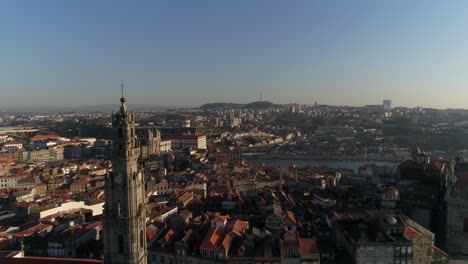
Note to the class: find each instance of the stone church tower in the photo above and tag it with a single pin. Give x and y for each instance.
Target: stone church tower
(125, 209)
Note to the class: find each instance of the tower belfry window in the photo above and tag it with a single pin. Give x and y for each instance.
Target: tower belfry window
(121, 244)
(141, 238)
(120, 132)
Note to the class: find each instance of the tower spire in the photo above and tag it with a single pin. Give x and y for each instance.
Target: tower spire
(123, 107)
(122, 86)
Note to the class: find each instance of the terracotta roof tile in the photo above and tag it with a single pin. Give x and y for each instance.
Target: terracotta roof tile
(308, 246)
(46, 260)
(216, 240)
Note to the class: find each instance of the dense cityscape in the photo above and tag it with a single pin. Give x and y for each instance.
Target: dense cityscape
(236, 183)
(233, 132)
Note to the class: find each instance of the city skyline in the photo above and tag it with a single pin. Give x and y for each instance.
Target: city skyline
(186, 54)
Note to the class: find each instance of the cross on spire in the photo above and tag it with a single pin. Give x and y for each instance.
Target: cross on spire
(122, 86)
(122, 99)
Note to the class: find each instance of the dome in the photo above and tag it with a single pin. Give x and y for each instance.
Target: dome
(391, 220)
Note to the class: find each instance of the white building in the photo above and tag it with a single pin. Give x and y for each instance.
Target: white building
(8, 181)
(187, 141)
(12, 145)
(165, 146)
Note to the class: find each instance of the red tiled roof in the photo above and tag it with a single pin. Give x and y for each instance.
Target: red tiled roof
(227, 242)
(168, 237)
(220, 218)
(216, 240)
(43, 137)
(4, 242)
(151, 231)
(187, 236)
(183, 137)
(409, 232)
(46, 260)
(238, 227)
(289, 218)
(35, 229)
(437, 164)
(184, 198)
(83, 230)
(12, 143)
(308, 246)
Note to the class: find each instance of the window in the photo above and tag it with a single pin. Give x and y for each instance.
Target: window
(120, 132)
(121, 244)
(141, 238)
(162, 259)
(397, 251)
(465, 225)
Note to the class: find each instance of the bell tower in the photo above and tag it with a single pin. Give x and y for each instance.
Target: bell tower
(124, 216)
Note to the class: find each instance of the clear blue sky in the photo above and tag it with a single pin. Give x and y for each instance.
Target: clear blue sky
(74, 53)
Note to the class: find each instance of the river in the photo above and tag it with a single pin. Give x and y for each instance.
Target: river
(343, 164)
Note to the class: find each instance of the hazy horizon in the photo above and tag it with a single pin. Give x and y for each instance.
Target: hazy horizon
(74, 54)
(138, 107)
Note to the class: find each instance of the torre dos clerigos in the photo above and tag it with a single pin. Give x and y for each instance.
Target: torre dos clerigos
(125, 212)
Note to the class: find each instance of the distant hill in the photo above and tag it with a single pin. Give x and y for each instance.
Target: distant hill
(259, 105)
(212, 106)
(253, 105)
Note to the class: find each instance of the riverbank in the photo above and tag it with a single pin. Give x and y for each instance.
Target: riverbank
(343, 158)
(352, 164)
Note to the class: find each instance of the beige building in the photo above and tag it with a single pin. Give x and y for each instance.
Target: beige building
(423, 242)
(9, 181)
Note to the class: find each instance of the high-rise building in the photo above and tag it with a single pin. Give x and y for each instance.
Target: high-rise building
(387, 105)
(125, 209)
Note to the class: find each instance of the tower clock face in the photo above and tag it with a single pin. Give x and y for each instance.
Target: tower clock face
(118, 178)
(139, 176)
